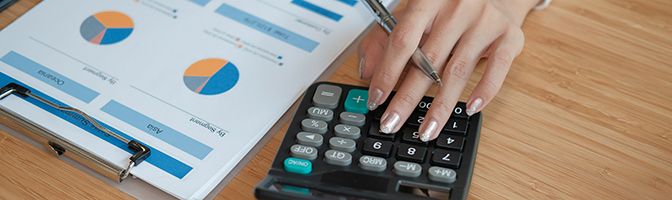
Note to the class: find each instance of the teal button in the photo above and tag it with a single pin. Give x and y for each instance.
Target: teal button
(298, 166)
(356, 101)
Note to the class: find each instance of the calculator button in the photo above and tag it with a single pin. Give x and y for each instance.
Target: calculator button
(416, 119)
(377, 148)
(408, 169)
(347, 131)
(411, 135)
(314, 126)
(351, 118)
(441, 174)
(374, 131)
(356, 101)
(320, 113)
(302, 151)
(411, 153)
(309, 139)
(446, 158)
(327, 96)
(460, 110)
(298, 166)
(450, 142)
(424, 104)
(456, 125)
(342, 144)
(372, 163)
(379, 113)
(339, 158)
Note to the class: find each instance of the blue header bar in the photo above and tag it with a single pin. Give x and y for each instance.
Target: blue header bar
(49, 76)
(157, 158)
(267, 28)
(157, 129)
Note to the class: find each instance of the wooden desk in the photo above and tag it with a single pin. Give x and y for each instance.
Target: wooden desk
(586, 113)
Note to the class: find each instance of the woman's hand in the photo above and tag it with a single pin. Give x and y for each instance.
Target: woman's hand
(467, 29)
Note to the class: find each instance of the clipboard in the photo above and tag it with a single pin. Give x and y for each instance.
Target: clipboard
(63, 147)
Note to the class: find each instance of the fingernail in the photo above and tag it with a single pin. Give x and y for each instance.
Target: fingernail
(361, 67)
(389, 123)
(374, 99)
(429, 130)
(474, 105)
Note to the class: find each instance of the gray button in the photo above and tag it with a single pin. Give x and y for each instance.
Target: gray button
(314, 125)
(327, 96)
(354, 119)
(342, 144)
(320, 113)
(339, 158)
(372, 163)
(441, 174)
(347, 131)
(302, 151)
(408, 169)
(310, 139)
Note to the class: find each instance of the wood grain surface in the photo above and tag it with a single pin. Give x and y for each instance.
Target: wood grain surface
(586, 113)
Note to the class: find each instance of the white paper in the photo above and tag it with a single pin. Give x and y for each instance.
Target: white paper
(144, 72)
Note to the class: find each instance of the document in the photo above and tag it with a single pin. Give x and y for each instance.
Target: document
(199, 81)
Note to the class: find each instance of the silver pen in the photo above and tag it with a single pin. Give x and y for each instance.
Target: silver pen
(387, 21)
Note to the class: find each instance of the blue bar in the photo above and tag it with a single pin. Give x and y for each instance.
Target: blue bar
(49, 76)
(267, 28)
(157, 158)
(349, 2)
(317, 9)
(201, 2)
(156, 129)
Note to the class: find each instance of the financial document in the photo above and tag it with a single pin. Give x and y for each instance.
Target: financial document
(199, 81)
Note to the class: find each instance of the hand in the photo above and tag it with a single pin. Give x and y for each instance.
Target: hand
(469, 29)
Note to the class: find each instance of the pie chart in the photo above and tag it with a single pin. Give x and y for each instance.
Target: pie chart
(106, 27)
(211, 76)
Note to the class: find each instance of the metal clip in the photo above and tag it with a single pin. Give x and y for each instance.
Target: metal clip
(61, 146)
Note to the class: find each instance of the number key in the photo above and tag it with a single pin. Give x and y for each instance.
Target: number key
(446, 158)
(456, 125)
(377, 148)
(460, 110)
(411, 153)
(411, 135)
(450, 142)
(374, 131)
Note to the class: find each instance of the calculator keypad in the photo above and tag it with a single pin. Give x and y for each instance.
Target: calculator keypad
(347, 132)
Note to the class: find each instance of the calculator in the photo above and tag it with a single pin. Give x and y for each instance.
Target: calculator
(334, 149)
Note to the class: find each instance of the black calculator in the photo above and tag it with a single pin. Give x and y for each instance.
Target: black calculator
(333, 149)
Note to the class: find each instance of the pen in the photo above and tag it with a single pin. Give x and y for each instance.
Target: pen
(387, 21)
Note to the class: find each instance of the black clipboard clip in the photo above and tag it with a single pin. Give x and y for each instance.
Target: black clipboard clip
(62, 146)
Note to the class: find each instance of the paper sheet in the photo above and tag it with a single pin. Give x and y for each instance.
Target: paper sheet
(200, 81)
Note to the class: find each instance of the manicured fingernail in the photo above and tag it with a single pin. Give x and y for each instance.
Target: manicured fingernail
(429, 130)
(361, 67)
(389, 123)
(374, 99)
(474, 105)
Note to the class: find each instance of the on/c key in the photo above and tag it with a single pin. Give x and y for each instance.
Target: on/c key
(298, 166)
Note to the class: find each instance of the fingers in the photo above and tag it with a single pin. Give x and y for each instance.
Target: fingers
(403, 104)
(440, 41)
(457, 73)
(371, 51)
(401, 43)
(498, 64)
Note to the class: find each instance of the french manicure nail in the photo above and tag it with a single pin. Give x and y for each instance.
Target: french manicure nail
(474, 106)
(374, 99)
(361, 67)
(429, 130)
(389, 123)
